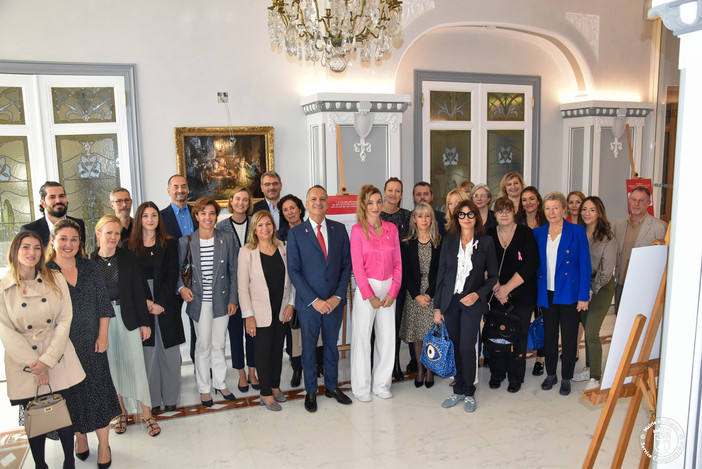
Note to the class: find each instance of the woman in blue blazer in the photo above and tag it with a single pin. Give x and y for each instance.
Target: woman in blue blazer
(564, 287)
(462, 289)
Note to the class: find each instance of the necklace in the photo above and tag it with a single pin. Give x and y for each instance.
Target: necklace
(109, 259)
(377, 227)
(505, 240)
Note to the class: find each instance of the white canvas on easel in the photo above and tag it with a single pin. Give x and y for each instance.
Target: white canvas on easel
(643, 279)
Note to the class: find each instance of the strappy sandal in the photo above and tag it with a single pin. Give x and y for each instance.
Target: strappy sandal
(152, 426)
(121, 426)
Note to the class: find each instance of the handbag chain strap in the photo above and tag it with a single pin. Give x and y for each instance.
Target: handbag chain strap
(492, 293)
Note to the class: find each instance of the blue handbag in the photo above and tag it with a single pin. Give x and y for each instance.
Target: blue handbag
(535, 338)
(437, 351)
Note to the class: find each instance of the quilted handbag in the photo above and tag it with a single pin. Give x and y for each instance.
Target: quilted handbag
(437, 351)
(45, 414)
(536, 334)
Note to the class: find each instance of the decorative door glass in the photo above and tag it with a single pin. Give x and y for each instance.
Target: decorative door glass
(450, 162)
(16, 208)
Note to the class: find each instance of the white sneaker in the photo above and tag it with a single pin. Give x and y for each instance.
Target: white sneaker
(592, 384)
(582, 376)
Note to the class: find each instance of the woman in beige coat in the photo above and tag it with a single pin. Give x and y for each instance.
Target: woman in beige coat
(35, 319)
(264, 289)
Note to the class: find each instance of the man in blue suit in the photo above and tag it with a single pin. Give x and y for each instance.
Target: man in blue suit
(319, 265)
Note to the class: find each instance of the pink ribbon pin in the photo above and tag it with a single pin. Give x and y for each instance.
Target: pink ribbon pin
(519, 255)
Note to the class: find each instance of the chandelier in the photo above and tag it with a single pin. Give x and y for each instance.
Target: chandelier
(369, 26)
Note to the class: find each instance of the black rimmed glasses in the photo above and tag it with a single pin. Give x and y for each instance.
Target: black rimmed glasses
(462, 215)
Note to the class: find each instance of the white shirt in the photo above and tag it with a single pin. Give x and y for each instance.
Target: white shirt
(273, 208)
(324, 232)
(551, 258)
(465, 265)
(51, 225)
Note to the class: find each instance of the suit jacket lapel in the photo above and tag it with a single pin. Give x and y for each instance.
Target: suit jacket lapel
(218, 254)
(195, 251)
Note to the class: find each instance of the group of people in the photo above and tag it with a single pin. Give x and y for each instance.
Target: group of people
(105, 330)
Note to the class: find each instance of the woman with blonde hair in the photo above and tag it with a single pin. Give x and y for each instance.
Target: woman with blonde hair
(94, 402)
(511, 185)
(452, 199)
(120, 271)
(240, 205)
(377, 266)
(420, 262)
(267, 301)
(37, 357)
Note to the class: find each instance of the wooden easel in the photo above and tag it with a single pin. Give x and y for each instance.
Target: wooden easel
(643, 385)
(343, 190)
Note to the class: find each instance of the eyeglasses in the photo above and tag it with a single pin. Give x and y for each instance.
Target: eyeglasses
(122, 201)
(480, 196)
(462, 215)
(504, 212)
(269, 184)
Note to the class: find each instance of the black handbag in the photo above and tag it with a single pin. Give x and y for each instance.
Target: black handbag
(186, 272)
(502, 327)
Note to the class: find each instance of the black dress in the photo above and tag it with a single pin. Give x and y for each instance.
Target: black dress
(93, 402)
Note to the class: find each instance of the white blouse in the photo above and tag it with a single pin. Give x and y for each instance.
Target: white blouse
(465, 265)
(551, 257)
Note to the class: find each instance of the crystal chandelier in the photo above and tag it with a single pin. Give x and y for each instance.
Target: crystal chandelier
(369, 26)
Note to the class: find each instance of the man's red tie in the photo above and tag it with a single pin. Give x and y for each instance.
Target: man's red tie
(320, 238)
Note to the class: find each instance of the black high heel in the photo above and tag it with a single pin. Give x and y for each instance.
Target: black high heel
(84, 455)
(106, 465)
(208, 403)
(229, 397)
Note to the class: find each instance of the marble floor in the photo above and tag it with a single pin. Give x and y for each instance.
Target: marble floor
(530, 429)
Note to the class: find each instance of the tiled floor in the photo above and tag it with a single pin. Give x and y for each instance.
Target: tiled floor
(530, 429)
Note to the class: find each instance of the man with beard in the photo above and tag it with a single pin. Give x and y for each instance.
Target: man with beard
(121, 203)
(54, 205)
(271, 187)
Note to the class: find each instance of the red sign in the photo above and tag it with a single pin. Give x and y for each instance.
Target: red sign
(342, 205)
(632, 184)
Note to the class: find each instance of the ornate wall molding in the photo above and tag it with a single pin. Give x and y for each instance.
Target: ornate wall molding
(603, 110)
(351, 105)
(671, 15)
(589, 28)
(412, 9)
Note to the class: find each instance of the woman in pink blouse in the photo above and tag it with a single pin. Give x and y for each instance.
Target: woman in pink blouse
(377, 267)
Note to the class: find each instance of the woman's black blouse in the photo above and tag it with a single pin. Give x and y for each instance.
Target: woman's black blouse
(522, 257)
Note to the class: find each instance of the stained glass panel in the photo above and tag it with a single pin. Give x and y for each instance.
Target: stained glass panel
(450, 162)
(89, 170)
(506, 106)
(449, 106)
(505, 154)
(11, 105)
(15, 191)
(83, 105)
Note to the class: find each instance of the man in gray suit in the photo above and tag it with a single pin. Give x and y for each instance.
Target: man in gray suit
(637, 230)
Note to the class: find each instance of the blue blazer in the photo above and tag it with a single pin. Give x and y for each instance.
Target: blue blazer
(170, 223)
(483, 259)
(572, 279)
(312, 275)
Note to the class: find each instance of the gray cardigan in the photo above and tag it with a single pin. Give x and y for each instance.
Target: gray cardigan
(226, 225)
(224, 288)
(603, 258)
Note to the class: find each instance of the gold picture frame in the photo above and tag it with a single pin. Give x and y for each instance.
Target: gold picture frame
(214, 160)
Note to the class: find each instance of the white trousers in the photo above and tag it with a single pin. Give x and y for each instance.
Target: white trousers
(362, 322)
(209, 350)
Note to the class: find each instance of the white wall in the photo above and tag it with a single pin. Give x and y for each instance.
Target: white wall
(187, 51)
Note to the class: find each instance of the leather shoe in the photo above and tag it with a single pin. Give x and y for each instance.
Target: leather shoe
(155, 410)
(337, 394)
(538, 369)
(514, 387)
(296, 378)
(549, 382)
(170, 408)
(495, 383)
(565, 387)
(311, 402)
(397, 372)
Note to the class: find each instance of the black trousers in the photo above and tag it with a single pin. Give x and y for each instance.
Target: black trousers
(568, 318)
(463, 324)
(269, 355)
(513, 365)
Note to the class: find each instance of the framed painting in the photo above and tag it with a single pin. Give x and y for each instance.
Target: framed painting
(215, 160)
